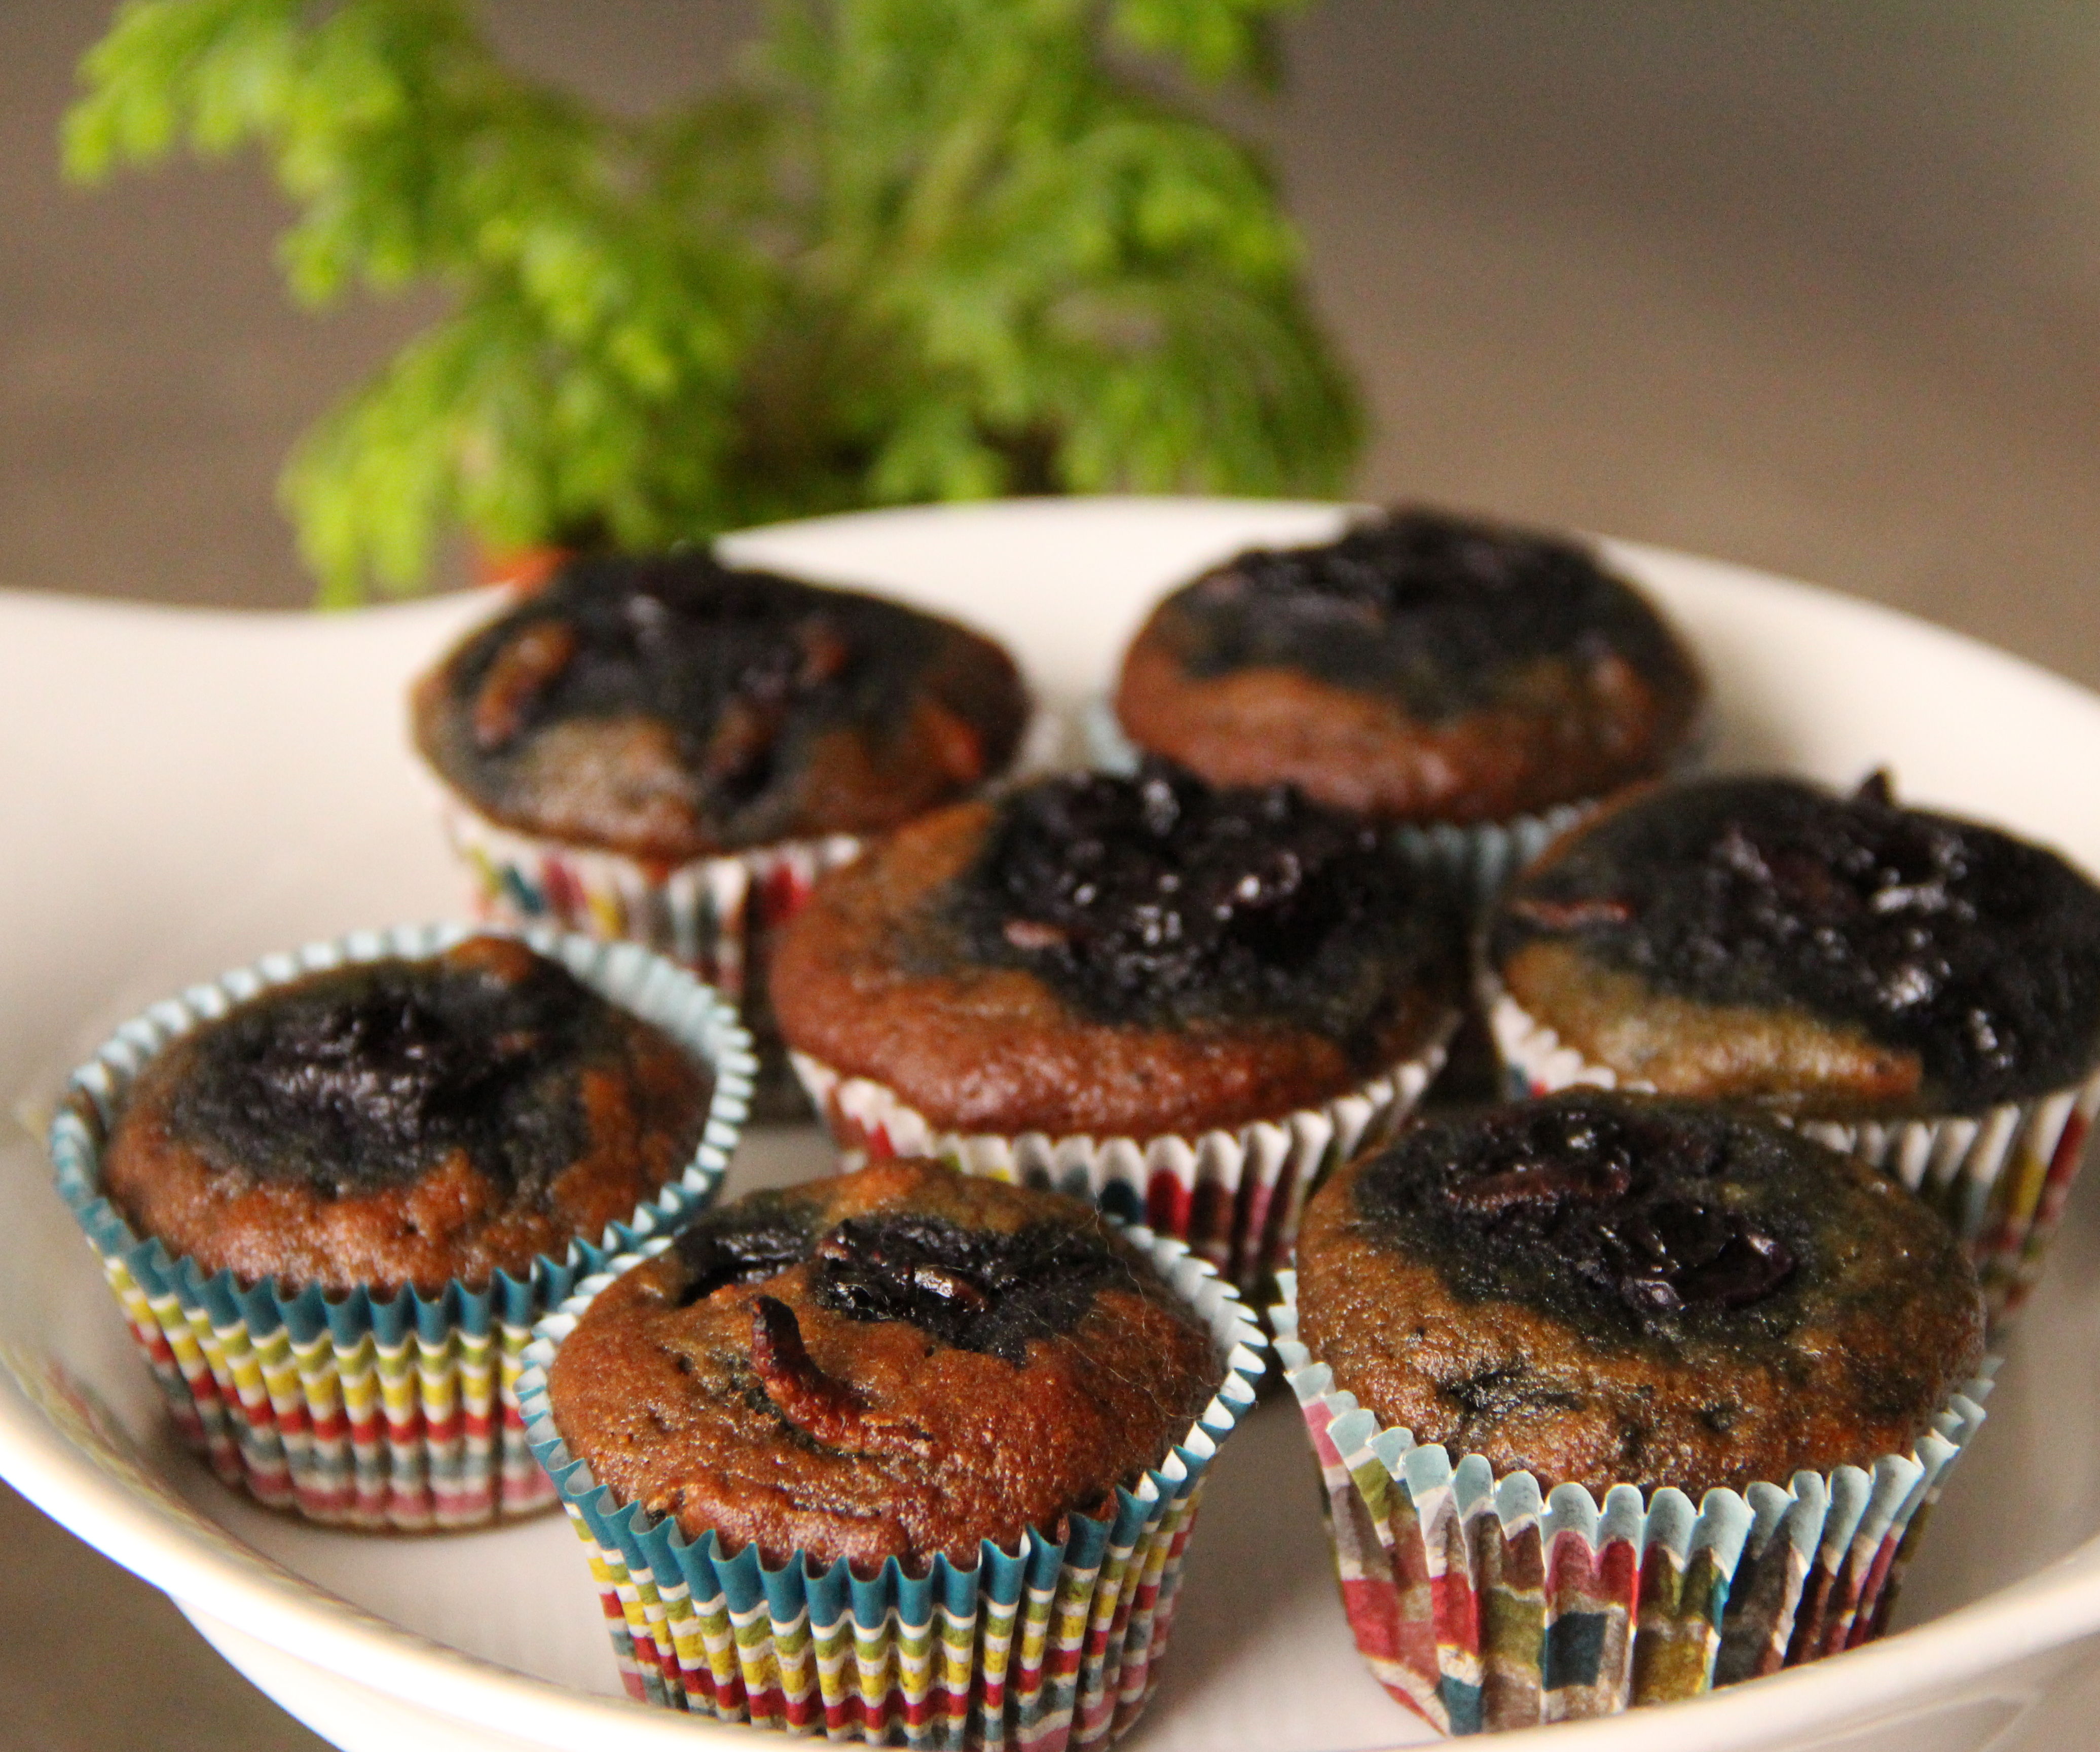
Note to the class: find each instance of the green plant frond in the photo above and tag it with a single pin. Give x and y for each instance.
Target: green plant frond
(917, 249)
(204, 72)
(1215, 40)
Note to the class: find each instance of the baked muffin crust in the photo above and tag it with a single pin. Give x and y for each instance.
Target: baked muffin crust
(670, 707)
(397, 1122)
(896, 1363)
(1121, 957)
(1605, 1289)
(1424, 667)
(1763, 939)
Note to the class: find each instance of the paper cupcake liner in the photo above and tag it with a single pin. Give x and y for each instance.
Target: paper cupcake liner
(1480, 857)
(1234, 1197)
(706, 915)
(1481, 1605)
(1999, 1177)
(363, 1410)
(1055, 1644)
(709, 914)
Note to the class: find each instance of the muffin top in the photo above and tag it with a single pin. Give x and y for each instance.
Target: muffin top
(670, 707)
(1126, 956)
(897, 1363)
(404, 1122)
(1762, 938)
(1422, 667)
(1603, 1289)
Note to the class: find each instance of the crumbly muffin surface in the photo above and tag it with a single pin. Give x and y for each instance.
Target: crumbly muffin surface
(403, 1122)
(897, 1363)
(1422, 667)
(1763, 938)
(1121, 957)
(672, 708)
(1602, 1289)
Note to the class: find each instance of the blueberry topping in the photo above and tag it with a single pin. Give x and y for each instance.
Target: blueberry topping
(1159, 901)
(1629, 1215)
(364, 1077)
(755, 1238)
(974, 1290)
(1977, 951)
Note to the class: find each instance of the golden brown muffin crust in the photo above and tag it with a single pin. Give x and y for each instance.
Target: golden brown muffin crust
(868, 1438)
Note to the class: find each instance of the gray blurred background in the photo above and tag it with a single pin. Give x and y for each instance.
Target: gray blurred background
(1814, 287)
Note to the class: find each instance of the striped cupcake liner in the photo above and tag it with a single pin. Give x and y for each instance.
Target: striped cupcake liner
(706, 915)
(1479, 858)
(1055, 1644)
(1479, 1604)
(710, 915)
(1234, 1197)
(2000, 1178)
(367, 1410)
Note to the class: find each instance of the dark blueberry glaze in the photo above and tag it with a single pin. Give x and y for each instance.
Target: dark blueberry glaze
(364, 1077)
(1977, 951)
(759, 1237)
(1159, 901)
(977, 1290)
(1624, 1218)
(741, 665)
(1442, 611)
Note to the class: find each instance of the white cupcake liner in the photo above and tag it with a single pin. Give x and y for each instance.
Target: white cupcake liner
(1235, 1197)
(1481, 1603)
(1480, 857)
(709, 914)
(1055, 1644)
(1999, 1177)
(363, 1410)
(704, 913)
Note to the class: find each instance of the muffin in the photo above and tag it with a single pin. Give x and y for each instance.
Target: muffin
(666, 748)
(1423, 669)
(1586, 1315)
(840, 1413)
(1922, 989)
(332, 1192)
(1179, 1001)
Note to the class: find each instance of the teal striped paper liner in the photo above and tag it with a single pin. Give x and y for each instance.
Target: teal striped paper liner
(1234, 1196)
(1480, 857)
(1055, 1644)
(1481, 1604)
(363, 1410)
(2000, 1178)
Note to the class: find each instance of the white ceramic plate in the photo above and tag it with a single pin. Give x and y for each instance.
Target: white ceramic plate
(181, 791)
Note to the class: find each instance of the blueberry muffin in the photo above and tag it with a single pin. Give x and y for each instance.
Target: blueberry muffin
(1763, 939)
(1599, 1289)
(668, 707)
(1422, 668)
(1617, 1399)
(333, 1191)
(403, 1122)
(902, 1362)
(1124, 956)
(1079, 982)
